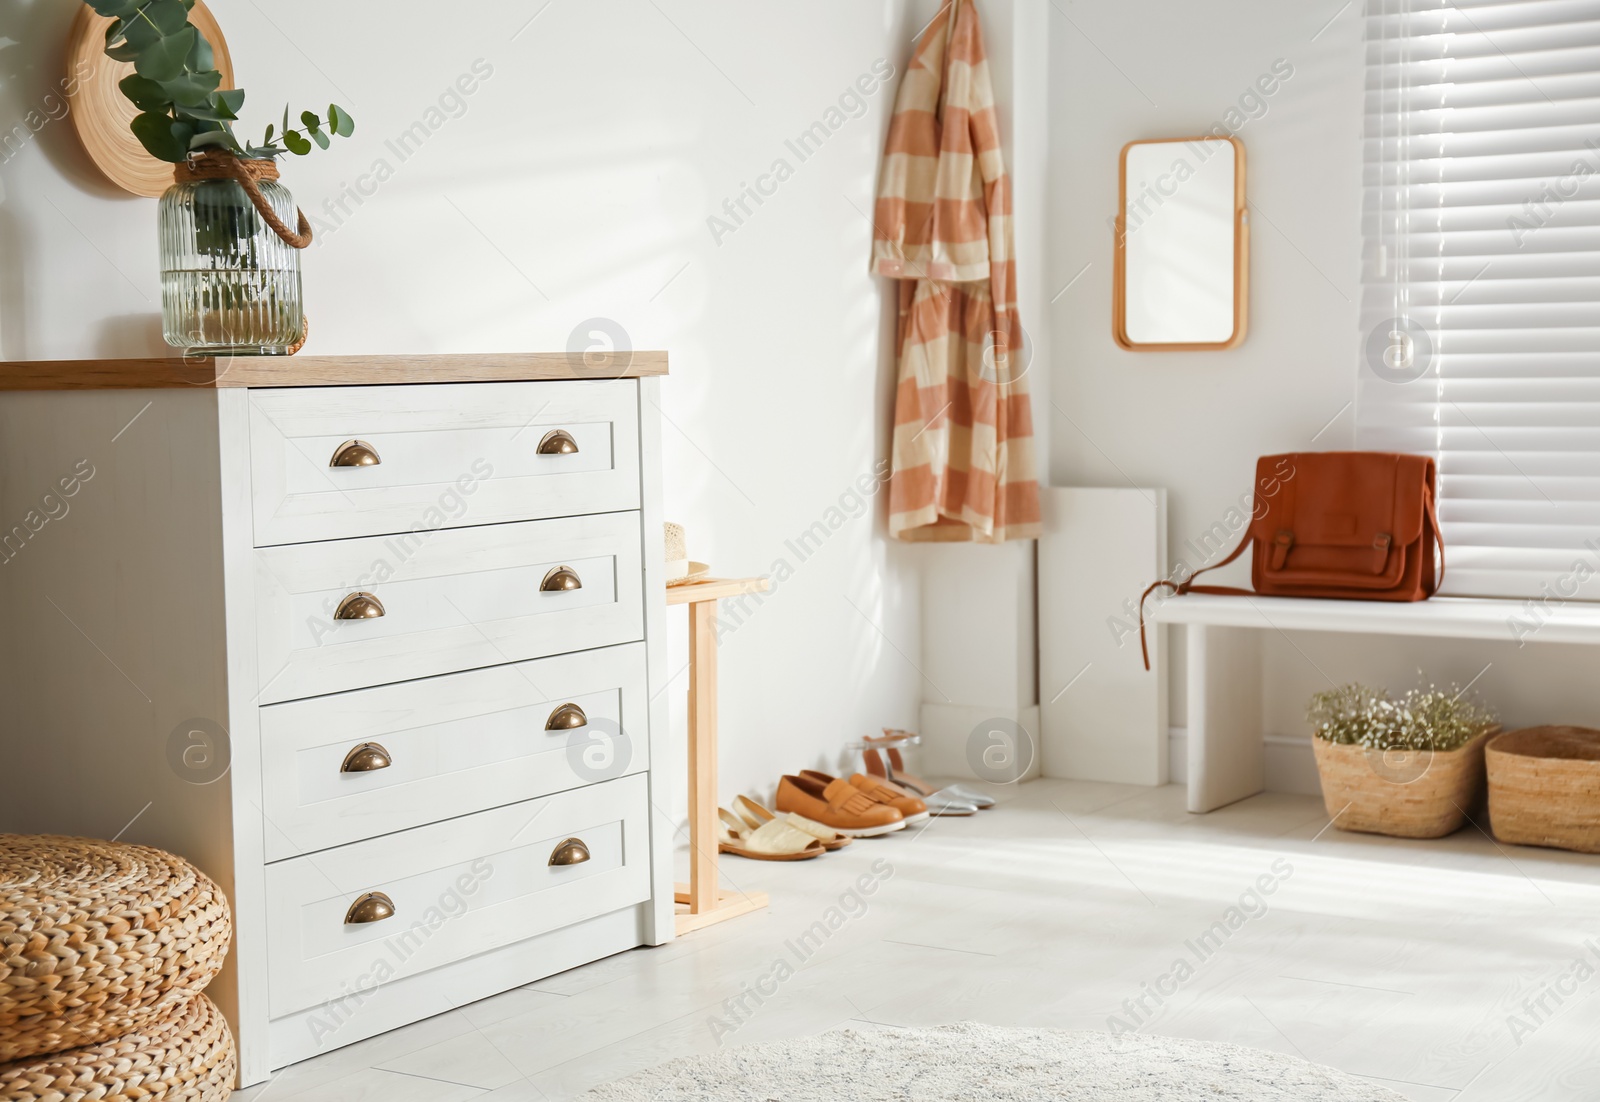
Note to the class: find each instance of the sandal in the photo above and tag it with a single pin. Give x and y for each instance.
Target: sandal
(756, 815)
(773, 841)
(895, 771)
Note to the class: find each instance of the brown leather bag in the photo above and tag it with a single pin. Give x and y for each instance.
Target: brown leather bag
(1353, 525)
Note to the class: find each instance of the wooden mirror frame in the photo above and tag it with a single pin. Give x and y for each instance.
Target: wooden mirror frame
(1241, 254)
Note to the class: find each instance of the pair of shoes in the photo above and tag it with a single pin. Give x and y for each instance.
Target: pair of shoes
(772, 840)
(757, 816)
(955, 799)
(861, 807)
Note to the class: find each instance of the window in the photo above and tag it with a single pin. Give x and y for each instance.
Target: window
(1481, 283)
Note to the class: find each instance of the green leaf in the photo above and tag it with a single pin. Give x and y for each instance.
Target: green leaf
(140, 33)
(163, 59)
(321, 138)
(146, 94)
(114, 8)
(209, 138)
(117, 47)
(166, 139)
(232, 99)
(191, 89)
(267, 137)
(210, 112)
(297, 143)
(340, 121)
(309, 121)
(285, 127)
(169, 16)
(201, 59)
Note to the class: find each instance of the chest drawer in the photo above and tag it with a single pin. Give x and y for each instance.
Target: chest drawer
(455, 889)
(337, 769)
(437, 602)
(439, 456)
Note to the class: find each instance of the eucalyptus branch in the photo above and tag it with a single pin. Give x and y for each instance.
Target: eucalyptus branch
(177, 88)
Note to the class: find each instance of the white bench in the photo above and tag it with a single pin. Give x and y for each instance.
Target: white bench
(1224, 645)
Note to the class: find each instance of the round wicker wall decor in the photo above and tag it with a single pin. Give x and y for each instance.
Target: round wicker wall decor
(101, 113)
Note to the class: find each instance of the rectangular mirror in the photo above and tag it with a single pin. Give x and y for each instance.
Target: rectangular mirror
(1181, 273)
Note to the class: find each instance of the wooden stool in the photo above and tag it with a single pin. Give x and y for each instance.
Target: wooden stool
(701, 902)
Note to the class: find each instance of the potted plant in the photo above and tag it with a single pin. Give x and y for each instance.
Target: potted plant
(1410, 767)
(230, 267)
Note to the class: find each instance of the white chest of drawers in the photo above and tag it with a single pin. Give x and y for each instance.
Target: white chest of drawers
(376, 642)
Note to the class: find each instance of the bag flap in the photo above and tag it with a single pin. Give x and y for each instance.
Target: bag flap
(1342, 499)
(1275, 475)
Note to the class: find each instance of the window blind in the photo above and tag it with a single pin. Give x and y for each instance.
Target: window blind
(1481, 279)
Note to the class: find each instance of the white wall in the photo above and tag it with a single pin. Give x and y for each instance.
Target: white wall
(1195, 422)
(576, 185)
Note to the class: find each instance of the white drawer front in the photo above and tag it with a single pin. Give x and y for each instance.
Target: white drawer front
(449, 456)
(455, 744)
(456, 599)
(459, 888)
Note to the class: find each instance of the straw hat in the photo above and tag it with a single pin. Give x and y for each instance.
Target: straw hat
(679, 568)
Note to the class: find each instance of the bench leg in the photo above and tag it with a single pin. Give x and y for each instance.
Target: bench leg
(1226, 757)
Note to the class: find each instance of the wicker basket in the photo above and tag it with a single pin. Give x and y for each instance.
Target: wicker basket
(187, 1056)
(1407, 794)
(1544, 787)
(98, 939)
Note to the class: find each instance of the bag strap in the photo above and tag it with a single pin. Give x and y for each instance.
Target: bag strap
(1438, 534)
(1188, 586)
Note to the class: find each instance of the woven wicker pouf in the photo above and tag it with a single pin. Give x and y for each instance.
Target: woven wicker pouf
(187, 1056)
(98, 939)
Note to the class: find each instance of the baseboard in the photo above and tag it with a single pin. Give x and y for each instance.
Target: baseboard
(1291, 765)
(958, 739)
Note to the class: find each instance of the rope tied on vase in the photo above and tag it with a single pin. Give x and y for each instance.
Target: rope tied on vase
(218, 164)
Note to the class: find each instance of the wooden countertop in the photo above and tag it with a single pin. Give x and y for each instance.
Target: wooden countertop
(263, 371)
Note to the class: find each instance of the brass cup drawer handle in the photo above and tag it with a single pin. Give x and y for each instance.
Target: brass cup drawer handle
(561, 578)
(355, 453)
(365, 758)
(369, 907)
(359, 606)
(566, 718)
(558, 442)
(570, 852)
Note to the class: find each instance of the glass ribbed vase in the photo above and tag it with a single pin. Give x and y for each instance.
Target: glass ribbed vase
(229, 284)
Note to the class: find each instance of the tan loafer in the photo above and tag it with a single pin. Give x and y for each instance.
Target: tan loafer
(910, 806)
(837, 804)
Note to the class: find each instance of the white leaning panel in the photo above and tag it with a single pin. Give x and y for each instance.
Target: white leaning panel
(1104, 718)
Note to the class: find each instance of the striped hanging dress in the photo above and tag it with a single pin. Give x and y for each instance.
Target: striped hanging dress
(962, 465)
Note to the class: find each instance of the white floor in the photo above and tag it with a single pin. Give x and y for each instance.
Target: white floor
(1417, 964)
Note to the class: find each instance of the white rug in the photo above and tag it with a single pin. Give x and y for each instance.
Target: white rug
(960, 1063)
